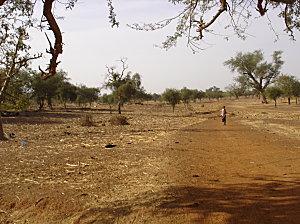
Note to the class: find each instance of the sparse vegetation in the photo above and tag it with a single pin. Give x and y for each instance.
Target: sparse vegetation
(172, 96)
(65, 158)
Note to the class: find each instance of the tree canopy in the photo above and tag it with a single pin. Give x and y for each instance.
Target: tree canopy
(172, 96)
(214, 93)
(254, 70)
(287, 84)
(123, 84)
(196, 18)
(274, 93)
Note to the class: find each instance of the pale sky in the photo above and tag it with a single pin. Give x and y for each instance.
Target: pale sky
(90, 44)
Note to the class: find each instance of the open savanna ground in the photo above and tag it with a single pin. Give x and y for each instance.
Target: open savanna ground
(182, 167)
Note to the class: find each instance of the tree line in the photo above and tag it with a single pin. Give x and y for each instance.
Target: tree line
(29, 86)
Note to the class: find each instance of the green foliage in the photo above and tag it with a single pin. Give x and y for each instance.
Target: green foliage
(139, 93)
(197, 94)
(273, 93)
(87, 95)
(186, 95)
(296, 89)
(142, 95)
(136, 81)
(214, 93)
(67, 92)
(107, 98)
(254, 71)
(236, 90)
(15, 50)
(124, 85)
(125, 92)
(287, 84)
(155, 96)
(18, 92)
(172, 96)
(47, 90)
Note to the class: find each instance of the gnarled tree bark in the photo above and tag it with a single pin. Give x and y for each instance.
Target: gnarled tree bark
(57, 49)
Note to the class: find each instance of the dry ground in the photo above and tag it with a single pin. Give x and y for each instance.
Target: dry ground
(166, 168)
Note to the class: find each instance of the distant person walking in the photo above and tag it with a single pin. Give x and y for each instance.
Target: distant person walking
(223, 115)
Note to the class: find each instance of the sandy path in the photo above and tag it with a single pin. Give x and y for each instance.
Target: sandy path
(226, 174)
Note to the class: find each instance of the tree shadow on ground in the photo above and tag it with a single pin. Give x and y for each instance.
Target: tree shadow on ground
(265, 202)
(209, 130)
(268, 203)
(40, 117)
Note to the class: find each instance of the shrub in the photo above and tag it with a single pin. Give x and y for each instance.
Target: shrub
(118, 120)
(87, 120)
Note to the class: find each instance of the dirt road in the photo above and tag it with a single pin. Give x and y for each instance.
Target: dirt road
(233, 174)
(204, 173)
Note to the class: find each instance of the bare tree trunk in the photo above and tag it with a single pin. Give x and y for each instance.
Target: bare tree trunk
(41, 105)
(264, 98)
(49, 101)
(289, 100)
(2, 136)
(119, 107)
(275, 103)
(53, 26)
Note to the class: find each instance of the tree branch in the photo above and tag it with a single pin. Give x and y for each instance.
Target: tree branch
(287, 21)
(284, 1)
(203, 25)
(124, 66)
(262, 10)
(2, 2)
(57, 49)
(23, 62)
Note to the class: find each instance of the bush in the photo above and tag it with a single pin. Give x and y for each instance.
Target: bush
(118, 120)
(87, 120)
